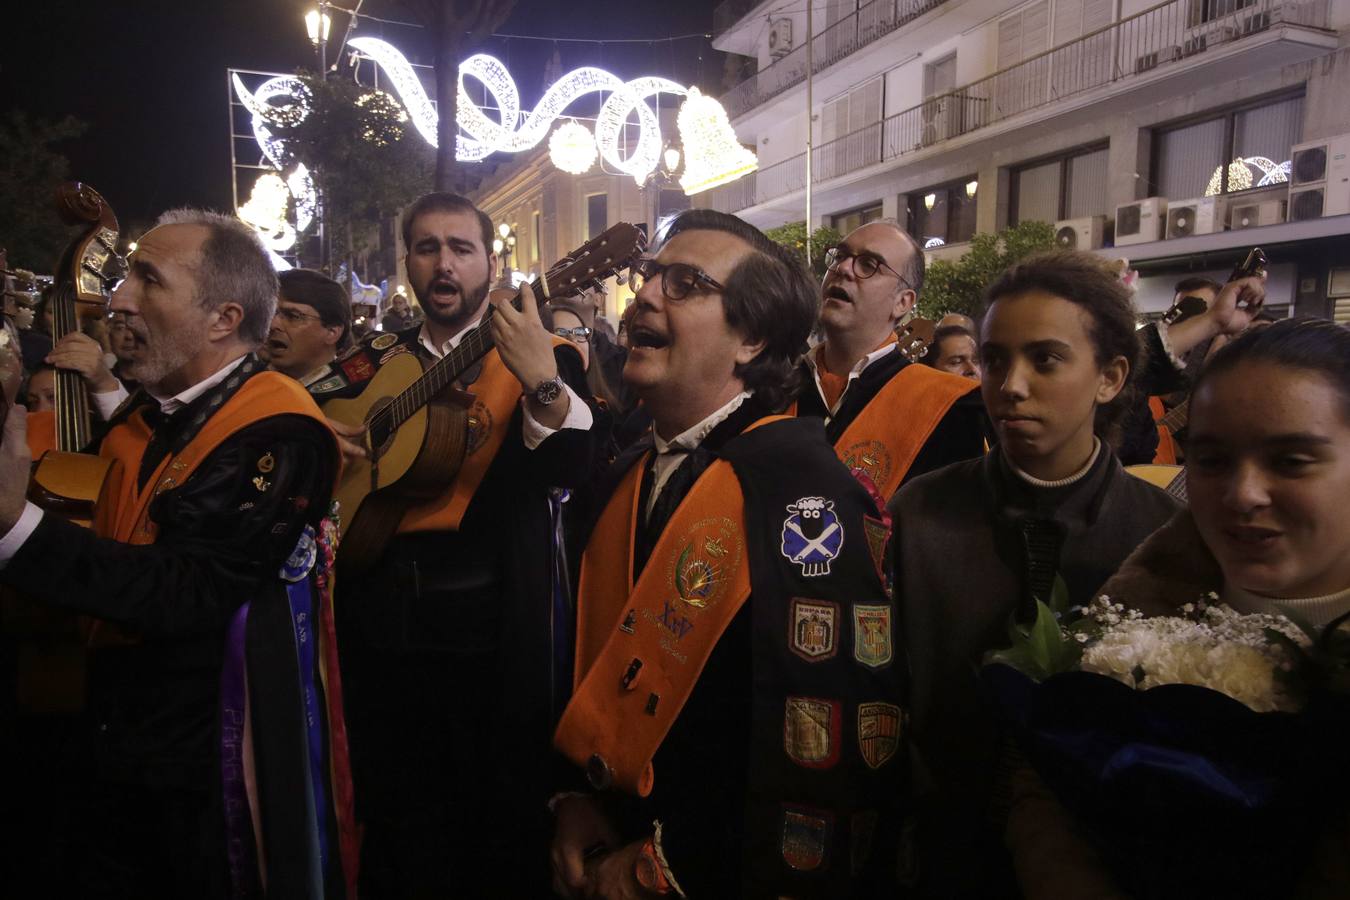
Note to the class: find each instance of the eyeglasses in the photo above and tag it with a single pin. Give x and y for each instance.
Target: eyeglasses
(295, 316)
(677, 279)
(865, 265)
(579, 335)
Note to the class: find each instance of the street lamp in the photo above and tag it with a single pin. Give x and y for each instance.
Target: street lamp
(317, 24)
(504, 246)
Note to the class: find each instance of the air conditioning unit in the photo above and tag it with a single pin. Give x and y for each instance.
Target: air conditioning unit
(1258, 22)
(1141, 222)
(1202, 39)
(1203, 215)
(1255, 215)
(1080, 234)
(1157, 58)
(780, 38)
(1319, 178)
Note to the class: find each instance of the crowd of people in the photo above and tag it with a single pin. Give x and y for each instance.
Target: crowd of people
(693, 609)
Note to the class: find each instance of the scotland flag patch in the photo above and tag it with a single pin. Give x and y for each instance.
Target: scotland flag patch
(812, 535)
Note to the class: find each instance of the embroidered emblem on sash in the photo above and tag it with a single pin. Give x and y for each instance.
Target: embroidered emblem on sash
(870, 456)
(480, 426)
(266, 463)
(811, 730)
(331, 383)
(698, 574)
(813, 628)
(806, 835)
(877, 533)
(872, 645)
(812, 535)
(878, 732)
(390, 354)
(383, 341)
(861, 829)
(358, 368)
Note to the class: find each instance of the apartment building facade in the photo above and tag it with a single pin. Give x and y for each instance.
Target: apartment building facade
(1199, 123)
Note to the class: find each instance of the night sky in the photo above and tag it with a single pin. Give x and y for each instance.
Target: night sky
(149, 77)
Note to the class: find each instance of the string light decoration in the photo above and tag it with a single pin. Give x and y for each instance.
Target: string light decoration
(572, 148)
(266, 209)
(383, 124)
(1240, 174)
(712, 155)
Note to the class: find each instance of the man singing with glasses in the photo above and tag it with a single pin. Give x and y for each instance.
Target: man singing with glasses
(885, 416)
(312, 325)
(737, 702)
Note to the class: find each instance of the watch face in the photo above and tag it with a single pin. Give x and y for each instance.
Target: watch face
(548, 391)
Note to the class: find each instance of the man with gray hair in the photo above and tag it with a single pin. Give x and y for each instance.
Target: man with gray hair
(885, 416)
(202, 671)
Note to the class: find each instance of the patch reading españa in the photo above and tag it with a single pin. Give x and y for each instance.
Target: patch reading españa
(872, 644)
(812, 535)
(806, 837)
(813, 629)
(878, 732)
(870, 456)
(383, 341)
(811, 729)
(480, 426)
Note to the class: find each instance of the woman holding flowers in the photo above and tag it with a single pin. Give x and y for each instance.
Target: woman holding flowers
(976, 544)
(1267, 533)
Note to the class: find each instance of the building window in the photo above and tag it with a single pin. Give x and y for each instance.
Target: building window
(846, 222)
(536, 236)
(1233, 150)
(597, 214)
(1202, 11)
(944, 214)
(1066, 187)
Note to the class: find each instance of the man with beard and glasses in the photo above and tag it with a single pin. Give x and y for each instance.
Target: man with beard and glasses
(884, 415)
(737, 709)
(205, 707)
(312, 325)
(454, 654)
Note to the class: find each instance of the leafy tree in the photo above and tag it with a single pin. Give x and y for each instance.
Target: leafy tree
(956, 285)
(793, 237)
(365, 158)
(458, 27)
(29, 226)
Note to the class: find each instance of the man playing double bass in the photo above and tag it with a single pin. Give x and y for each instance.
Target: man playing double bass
(450, 638)
(196, 698)
(737, 709)
(885, 415)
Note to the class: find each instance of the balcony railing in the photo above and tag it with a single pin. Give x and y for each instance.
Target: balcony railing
(860, 28)
(1154, 39)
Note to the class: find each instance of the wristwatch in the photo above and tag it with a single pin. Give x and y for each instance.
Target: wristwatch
(548, 391)
(647, 869)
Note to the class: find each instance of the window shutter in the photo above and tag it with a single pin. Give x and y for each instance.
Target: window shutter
(1068, 21)
(1009, 41)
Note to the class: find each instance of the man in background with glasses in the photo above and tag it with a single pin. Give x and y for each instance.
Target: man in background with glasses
(737, 725)
(892, 419)
(312, 326)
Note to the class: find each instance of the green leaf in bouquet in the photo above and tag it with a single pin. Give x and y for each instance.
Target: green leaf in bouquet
(1059, 598)
(1040, 649)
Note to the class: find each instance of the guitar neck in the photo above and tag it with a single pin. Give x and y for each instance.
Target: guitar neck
(443, 372)
(72, 401)
(1176, 418)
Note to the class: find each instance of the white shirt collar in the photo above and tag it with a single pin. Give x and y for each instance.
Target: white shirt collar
(171, 405)
(1062, 482)
(424, 338)
(318, 373)
(861, 366)
(669, 454)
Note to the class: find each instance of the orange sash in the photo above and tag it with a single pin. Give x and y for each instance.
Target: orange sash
(641, 648)
(888, 434)
(1167, 445)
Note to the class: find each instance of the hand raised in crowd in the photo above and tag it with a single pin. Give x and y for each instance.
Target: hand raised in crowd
(351, 449)
(527, 350)
(15, 464)
(80, 353)
(1238, 304)
(580, 826)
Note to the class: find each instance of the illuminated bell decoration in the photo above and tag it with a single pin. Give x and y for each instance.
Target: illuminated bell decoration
(266, 211)
(712, 155)
(572, 148)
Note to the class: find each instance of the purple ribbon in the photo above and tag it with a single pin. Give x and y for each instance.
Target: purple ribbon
(240, 849)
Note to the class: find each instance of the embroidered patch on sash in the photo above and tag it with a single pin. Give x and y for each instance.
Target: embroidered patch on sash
(813, 629)
(480, 426)
(811, 730)
(698, 570)
(812, 535)
(383, 341)
(872, 645)
(870, 456)
(806, 837)
(331, 383)
(390, 354)
(877, 533)
(862, 828)
(878, 732)
(358, 368)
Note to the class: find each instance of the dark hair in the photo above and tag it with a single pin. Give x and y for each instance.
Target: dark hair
(328, 298)
(1314, 345)
(444, 201)
(1084, 280)
(768, 296)
(1196, 283)
(935, 345)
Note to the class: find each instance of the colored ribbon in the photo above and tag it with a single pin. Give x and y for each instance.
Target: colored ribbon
(240, 848)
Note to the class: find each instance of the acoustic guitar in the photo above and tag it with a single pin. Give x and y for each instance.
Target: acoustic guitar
(416, 421)
(914, 336)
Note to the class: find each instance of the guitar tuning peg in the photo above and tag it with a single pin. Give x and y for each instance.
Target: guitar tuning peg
(621, 278)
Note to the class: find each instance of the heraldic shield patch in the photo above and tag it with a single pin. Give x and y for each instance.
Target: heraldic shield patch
(812, 535)
(813, 629)
(878, 732)
(806, 837)
(872, 645)
(811, 731)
